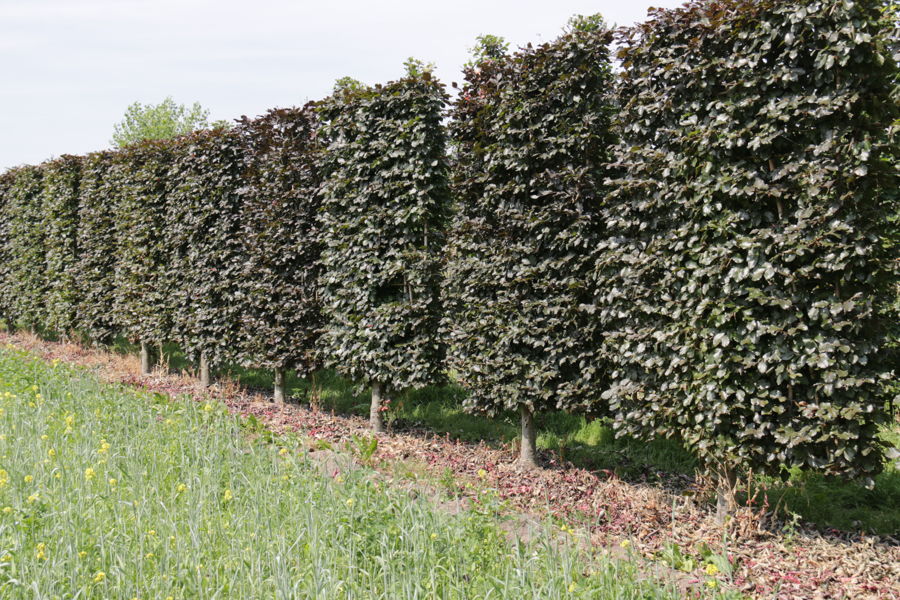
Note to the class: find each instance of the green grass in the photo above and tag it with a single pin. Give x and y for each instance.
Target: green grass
(823, 501)
(111, 492)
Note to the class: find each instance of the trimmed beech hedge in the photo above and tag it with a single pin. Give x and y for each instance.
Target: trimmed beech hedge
(744, 262)
(27, 285)
(703, 246)
(98, 246)
(204, 235)
(384, 210)
(533, 138)
(281, 315)
(142, 303)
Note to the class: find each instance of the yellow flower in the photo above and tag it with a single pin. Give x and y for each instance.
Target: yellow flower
(104, 447)
(51, 452)
(44, 437)
(57, 475)
(112, 482)
(170, 597)
(283, 451)
(227, 496)
(624, 543)
(70, 420)
(82, 554)
(2, 437)
(181, 488)
(151, 532)
(208, 406)
(29, 479)
(349, 501)
(34, 388)
(4, 478)
(572, 587)
(434, 536)
(40, 552)
(711, 569)
(100, 576)
(89, 473)
(339, 479)
(482, 473)
(6, 558)
(32, 498)
(712, 583)
(7, 509)
(149, 555)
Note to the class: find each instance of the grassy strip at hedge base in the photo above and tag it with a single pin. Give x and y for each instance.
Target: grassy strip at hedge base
(108, 492)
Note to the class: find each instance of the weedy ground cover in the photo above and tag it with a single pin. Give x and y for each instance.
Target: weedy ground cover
(827, 502)
(111, 492)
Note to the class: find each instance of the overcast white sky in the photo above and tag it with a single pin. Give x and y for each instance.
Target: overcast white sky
(71, 67)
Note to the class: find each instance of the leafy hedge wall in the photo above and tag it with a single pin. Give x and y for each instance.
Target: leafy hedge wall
(98, 246)
(60, 211)
(533, 137)
(745, 257)
(282, 316)
(711, 254)
(204, 234)
(384, 208)
(27, 285)
(142, 304)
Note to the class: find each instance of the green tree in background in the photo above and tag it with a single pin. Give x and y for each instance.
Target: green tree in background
(161, 121)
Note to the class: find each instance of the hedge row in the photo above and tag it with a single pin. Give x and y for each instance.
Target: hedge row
(703, 246)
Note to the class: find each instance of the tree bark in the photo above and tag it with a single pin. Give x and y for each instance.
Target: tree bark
(280, 392)
(145, 358)
(204, 370)
(376, 422)
(528, 446)
(161, 358)
(725, 501)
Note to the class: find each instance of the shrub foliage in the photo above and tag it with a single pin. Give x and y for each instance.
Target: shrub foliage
(384, 209)
(744, 264)
(533, 137)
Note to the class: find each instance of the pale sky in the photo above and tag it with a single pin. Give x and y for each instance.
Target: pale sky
(71, 67)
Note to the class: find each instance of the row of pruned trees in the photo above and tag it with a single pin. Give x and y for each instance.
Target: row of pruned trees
(702, 245)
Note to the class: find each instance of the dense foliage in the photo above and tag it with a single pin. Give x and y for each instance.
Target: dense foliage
(143, 305)
(26, 286)
(281, 317)
(60, 212)
(745, 257)
(384, 210)
(203, 231)
(707, 251)
(533, 136)
(162, 121)
(98, 245)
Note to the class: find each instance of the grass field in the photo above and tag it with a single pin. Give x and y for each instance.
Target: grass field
(110, 492)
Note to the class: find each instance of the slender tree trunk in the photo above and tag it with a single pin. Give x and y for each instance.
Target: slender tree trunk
(725, 501)
(204, 370)
(145, 358)
(528, 447)
(376, 422)
(161, 359)
(280, 387)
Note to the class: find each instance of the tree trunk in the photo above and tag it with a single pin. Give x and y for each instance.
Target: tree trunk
(725, 501)
(204, 370)
(280, 387)
(161, 359)
(376, 422)
(528, 447)
(145, 358)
